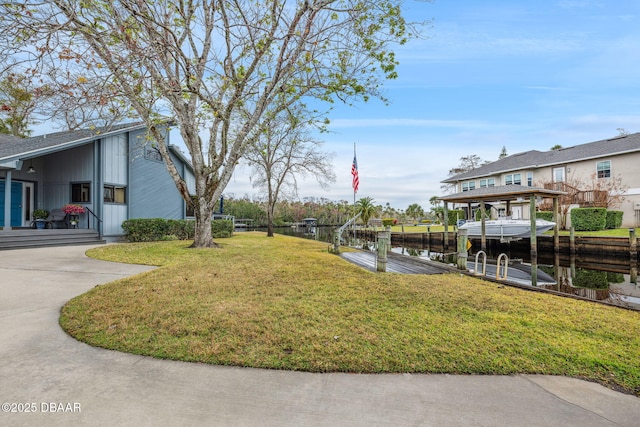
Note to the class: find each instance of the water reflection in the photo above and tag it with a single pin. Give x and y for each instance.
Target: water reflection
(612, 279)
(613, 287)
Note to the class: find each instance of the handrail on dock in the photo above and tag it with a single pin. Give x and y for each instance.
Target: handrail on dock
(502, 258)
(338, 235)
(484, 264)
(348, 223)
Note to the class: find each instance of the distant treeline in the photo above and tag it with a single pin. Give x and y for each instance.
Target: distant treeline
(327, 212)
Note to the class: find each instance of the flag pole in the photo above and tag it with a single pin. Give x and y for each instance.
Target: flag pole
(354, 188)
(354, 184)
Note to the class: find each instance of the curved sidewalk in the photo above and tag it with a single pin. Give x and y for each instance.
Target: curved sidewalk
(65, 382)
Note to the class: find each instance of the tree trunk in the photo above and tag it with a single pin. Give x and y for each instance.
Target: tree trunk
(203, 237)
(270, 228)
(270, 210)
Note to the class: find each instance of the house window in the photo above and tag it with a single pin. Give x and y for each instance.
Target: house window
(468, 185)
(81, 192)
(487, 182)
(517, 179)
(529, 179)
(115, 194)
(513, 179)
(604, 169)
(558, 174)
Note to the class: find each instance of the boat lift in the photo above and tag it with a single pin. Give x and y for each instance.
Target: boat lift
(337, 237)
(509, 194)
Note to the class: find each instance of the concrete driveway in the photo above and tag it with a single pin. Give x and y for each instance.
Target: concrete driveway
(48, 378)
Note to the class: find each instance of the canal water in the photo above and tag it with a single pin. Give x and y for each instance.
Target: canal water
(612, 280)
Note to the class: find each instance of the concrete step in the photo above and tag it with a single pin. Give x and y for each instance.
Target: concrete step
(28, 238)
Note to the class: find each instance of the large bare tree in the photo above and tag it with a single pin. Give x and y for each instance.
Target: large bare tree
(467, 163)
(284, 151)
(215, 66)
(603, 192)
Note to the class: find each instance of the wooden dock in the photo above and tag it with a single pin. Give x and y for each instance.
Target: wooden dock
(597, 245)
(397, 263)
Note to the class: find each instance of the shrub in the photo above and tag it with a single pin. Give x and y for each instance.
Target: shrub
(546, 215)
(478, 214)
(181, 229)
(145, 229)
(388, 222)
(153, 229)
(40, 214)
(590, 279)
(454, 215)
(614, 220)
(588, 219)
(222, 228)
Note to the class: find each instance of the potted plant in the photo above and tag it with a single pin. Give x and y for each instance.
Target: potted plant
(40, 216)
(74, 211)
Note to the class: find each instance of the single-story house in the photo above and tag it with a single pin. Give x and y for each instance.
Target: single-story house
(115, 172)
(582, 171)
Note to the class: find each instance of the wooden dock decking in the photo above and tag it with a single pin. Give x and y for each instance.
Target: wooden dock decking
(397, 263)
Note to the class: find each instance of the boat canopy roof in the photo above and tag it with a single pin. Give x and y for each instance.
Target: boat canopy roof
(501, 193)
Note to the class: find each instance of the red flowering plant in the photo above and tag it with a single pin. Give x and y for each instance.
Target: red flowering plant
(73, 209)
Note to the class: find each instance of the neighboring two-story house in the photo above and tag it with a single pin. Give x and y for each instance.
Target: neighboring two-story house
(114, 172)
(593, 175)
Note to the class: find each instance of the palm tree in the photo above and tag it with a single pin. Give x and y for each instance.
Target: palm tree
(415, 211)
(366, 209)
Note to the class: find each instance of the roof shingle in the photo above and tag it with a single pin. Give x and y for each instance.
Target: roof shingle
(13, 147)
(536, 159)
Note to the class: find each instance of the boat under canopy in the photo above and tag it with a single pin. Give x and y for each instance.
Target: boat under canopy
(504, 228)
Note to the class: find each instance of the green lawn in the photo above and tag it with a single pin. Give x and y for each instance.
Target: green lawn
(286, 303)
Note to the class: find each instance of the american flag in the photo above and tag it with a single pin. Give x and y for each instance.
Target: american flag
(354, 171)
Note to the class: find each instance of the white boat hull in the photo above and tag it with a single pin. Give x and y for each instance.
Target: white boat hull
(506, 228)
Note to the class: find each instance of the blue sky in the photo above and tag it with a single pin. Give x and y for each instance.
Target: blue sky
(490, 73)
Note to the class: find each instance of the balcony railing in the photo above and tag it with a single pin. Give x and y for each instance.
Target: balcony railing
(582, 198)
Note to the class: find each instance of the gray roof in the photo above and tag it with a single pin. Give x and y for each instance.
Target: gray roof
(537, 159)
(11, 148)
(8, 138)
(500, 193)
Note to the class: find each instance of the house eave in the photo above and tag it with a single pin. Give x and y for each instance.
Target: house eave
(65, 145)
(10, 165)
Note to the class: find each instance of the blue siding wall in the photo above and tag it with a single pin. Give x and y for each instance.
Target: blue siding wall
(115, 164)
(58, 171)
(152, 192)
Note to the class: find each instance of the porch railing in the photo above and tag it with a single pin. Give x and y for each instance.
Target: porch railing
(97, 219)
(582, 198)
